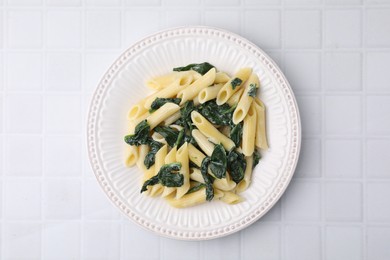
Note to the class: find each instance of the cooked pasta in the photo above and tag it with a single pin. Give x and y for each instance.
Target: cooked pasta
(195, 138)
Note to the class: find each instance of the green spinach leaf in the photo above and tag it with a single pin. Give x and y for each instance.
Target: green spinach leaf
(207, 179)
(196, 188)
(169, 134)
(218, 162)
(252, 90)
(236, 82)
(256, 158)
(180, 138)
(236, 165)
(167, 176)
(217, 115)
(152, 181)
(141, 134)
(159, 102)
(236, 133)
(151, 155)
(201, 68)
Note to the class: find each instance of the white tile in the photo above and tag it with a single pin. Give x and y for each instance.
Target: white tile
(377, 33)
(62, 156)
(221, 2)
(213, 249)
(276, 56)
(378, 243)
(63, 29)
(378, 110)
(178, 250)
(303, 243)
(22, 240)
(62, 199)
(377, 76)
(2, 69)
(24, 29)
(182, 17)
(343, 201)
(343, 71)
(263, 28)
(274, 214)
(302, 201)
(261, 241)
(343, 243)
(181, 3)
(96, 203)
(343, 28)
(103, 2)
(23, 2)
(22, 200)
(292, 2)
(378, 163)
(261, 2)
(24, 113)
(96, 64)
(63, 71)
(310, 112)
(61, 241)
(103, 29)
(63, 2)
(303, 70)
(351, 164)
(374, 2)
(17, 150)
(141, 241)
(142, 2)
(309, 164)
(302, 29)
(343, 114)
(219, 19)
(23, 71)
(343, 2)
(148, 22)
(1, 115)
(63, 114)
(102, 240)
(378, 195)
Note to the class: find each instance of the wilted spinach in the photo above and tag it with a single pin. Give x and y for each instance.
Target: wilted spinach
(169, 134)
(236, 165)
(159, 102)
(218, 162)
(236, 82)
(151, 155)
(256, 158)
(236, 133)
(141, 134)
(167, 176)
(196, 188)
(252, 90)
(201, 68)
(208, 181)
(217, 115)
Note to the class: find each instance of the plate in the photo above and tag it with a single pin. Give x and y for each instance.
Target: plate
(123, 85)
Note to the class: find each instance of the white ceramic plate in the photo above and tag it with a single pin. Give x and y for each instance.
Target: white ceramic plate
(123, 85)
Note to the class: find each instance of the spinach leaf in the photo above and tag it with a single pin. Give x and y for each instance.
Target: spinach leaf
(256, 158)
(151, 155)
(207, 180)
(236, 165)
(217, 115)
(167, 176)
(201, 68)
(193, 165)
(152, 181)
(159, 102)
(169, 134)
(141, 134)
(236, 82)
(185, 114)
(236, 133)
(252, 90)
(196, 188)
(218, 162)
(180, 138)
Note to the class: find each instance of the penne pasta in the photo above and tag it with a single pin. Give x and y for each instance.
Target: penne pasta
(261, 136)
(233, 85)
(244, 184)
(159, 161)
(249, 132)
(210, 131)
(209, 93)
(131, 155)
(202, 141)
(161, 114)
(168, 92)
(230, 197)
(173, 118)
(137, 110)
(246, 99)
(233, 100)
(221, 77)
(142, 152)
(182, 157)
(170, 158)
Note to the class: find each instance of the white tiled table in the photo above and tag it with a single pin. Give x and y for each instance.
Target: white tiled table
(336, 54)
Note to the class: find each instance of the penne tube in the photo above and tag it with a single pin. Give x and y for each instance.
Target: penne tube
(193, 90)
(244, 183)
(202, 141)
(131, 155)
(161, 82)
(246, 99)
(161, 114)
(210, 131)
(157, 189)
(221, 77)
(137, 110)
(233, 85)
(173, 118)
(188, 200)
(261, 134)
(168, 92)
(209, 93)
(196, 175)
(230, 197)
(233, 100)
(176, 127)
(142, 152)
(169, 158)
(182, 157)
(249, 132)
(159, 138)
(135, 122)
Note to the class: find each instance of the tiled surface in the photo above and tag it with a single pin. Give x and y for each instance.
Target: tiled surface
(336, 55)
